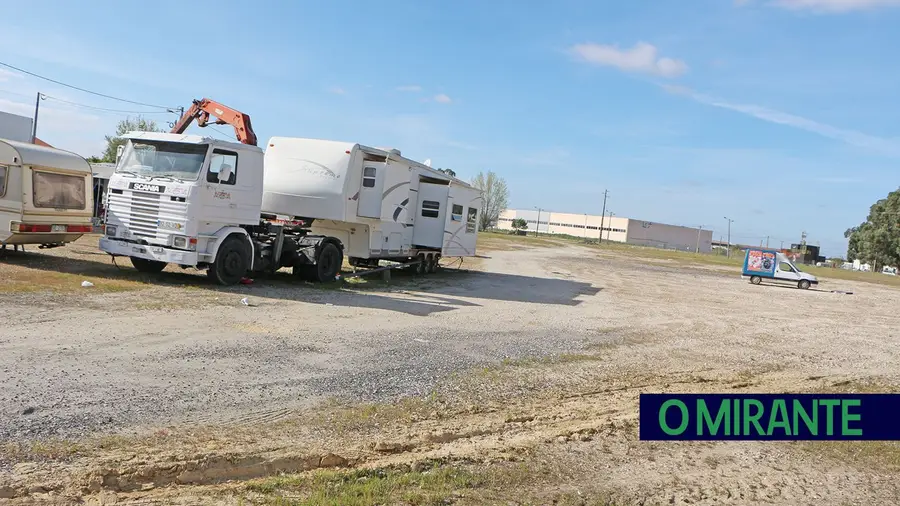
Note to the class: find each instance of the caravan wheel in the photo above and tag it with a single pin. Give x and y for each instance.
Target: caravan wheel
(433, 267)
(755, 280)
(422, 266)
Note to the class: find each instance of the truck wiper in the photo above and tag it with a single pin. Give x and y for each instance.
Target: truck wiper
(169, 177)
(126, 172)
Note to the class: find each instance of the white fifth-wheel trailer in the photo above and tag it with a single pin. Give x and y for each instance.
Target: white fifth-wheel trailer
(304, 204)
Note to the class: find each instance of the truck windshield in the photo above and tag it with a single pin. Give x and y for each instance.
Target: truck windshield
(161, 158)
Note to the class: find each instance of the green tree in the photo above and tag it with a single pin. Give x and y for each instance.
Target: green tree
(877, 240)
(113, 142)
(449, 172)
(519, 224)
(495, 196)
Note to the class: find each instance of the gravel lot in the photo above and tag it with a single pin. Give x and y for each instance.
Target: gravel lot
(83, 362)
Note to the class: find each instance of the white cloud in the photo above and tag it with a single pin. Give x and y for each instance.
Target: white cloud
(643, 57)
(412, 87)
(337, 91)
(828, 6)
(6, 75)
(889, 147)
(444, 99)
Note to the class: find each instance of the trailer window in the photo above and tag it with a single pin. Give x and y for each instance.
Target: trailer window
(456, 215)
(222, 159)
(369, 177)
(58, 191)
(4, 170)
(472, 221)
(431, 208)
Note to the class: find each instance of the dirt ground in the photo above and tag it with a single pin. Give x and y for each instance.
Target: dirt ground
(523, 371)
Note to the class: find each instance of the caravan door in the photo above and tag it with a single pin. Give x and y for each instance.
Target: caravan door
(370, 197)
(431, 214)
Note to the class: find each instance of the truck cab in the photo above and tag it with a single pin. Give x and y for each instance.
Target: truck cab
(773, 265)
(176, 198)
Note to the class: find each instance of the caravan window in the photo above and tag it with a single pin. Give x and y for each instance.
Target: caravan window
(58, 191)
(369, 177)
(457, 213)
(4, 170)
(431, 208)
(785, 267)
(472, 221)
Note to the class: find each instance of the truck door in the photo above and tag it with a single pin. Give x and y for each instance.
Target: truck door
(369, 203)
(431, 215)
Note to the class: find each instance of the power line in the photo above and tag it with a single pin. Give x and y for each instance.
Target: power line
(82, 89)
(103, 108)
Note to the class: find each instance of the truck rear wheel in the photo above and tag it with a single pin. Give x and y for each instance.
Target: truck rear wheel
(435, 263)
(231, 263)
(150, 266)
(328, 265)
(422, 266)
(755, 280)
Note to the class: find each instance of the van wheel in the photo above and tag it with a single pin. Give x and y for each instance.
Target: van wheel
(150, 266)
(755, 280)
(328, 264)
(804, 284)
(231, 263)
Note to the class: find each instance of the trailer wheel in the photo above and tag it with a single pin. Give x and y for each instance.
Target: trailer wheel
(803, 284)
(755, 280)
(231, 263)
(422, 266)
(437, 263)
(432, 263)
(329, 262)
(150, 266)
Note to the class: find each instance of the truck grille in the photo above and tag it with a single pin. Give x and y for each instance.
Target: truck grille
(140, 213)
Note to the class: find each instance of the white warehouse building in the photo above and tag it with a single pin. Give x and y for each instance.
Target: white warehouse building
(615, 228)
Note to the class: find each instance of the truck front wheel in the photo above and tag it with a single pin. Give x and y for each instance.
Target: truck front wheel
(231, 263)
(149, 266)
(329, 262)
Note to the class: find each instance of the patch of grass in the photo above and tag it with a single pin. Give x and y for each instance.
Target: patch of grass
(54, 449)
(366, 487)
(23, 280)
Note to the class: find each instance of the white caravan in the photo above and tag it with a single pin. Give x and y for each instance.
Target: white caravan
(45, 195)
(304, 203)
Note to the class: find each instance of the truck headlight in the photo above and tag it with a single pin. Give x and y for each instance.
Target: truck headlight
(111, 230)
(180, 242)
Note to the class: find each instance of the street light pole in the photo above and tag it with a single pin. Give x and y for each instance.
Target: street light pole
(609, 228)
(602, 215)
(698, 238)
(537, 225)
(729, 235)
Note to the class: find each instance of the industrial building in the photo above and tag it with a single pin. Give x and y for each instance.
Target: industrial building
(614, 228)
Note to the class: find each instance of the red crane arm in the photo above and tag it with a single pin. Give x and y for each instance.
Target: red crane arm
(203, 109)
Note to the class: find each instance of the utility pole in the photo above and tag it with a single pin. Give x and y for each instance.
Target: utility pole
(609, 228)
(698, 238)
(602, 215)
(729, 236)
(537, 226)
(585, 228)
(37, 106)
(782, 245)
(767, 242)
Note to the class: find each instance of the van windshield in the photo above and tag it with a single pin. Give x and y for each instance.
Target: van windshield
(162, 158)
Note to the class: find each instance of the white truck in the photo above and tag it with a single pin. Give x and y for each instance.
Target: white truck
(233, 209)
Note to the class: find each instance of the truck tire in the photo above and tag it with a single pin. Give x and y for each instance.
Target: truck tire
(329, 262)
(803, 284)
(435, 263)
(755, 280)
(231, 263)
(149, 266)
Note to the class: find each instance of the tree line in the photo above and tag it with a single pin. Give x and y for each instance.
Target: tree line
(877, 240)
(495, 191)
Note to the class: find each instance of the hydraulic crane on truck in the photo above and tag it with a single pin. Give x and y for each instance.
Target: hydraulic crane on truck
(201, 110)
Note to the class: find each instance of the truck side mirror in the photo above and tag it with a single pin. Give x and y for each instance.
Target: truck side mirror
(225, 172)
(119, 151)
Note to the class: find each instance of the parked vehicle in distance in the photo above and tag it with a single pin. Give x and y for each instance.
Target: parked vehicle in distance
(770, 264)
(45, 195)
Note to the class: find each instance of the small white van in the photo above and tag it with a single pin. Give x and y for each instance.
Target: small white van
(45, 195)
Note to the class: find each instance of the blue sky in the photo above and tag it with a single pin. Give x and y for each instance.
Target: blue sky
(780, 114)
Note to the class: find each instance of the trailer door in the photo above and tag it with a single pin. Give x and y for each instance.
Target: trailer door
(431, 215)
(369, 204)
